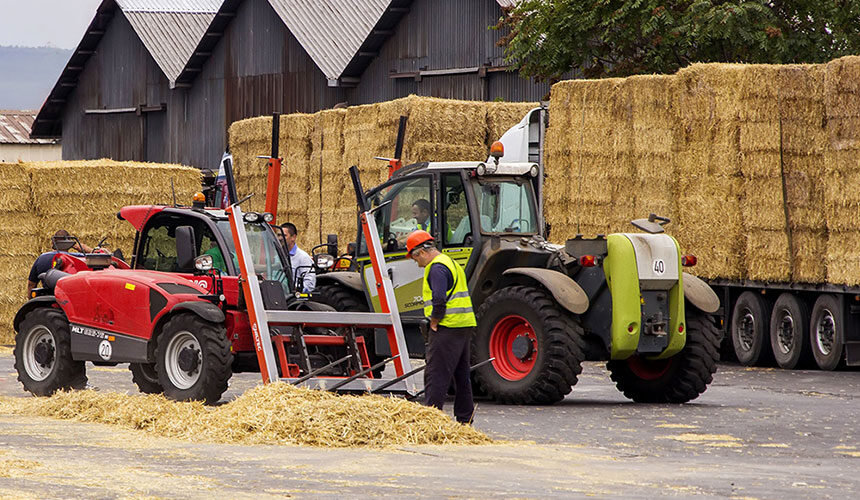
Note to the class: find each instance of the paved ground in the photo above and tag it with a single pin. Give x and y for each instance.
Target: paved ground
(756, 433)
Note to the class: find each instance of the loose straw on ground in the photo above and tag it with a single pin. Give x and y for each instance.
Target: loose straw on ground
(268, 414)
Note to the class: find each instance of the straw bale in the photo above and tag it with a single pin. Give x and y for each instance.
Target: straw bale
(759, 136)
(843, 133)
(805, 110)
(9, 306)
(503, 115)
(275, 414)
(709, 91)
(810, 249)
(767, 257)
(710, 225)
(843, 257)
(842, 199)
(14, 176)
(447, 121)
(843, 75)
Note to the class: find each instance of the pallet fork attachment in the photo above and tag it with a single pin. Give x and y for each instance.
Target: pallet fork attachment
(388, 319)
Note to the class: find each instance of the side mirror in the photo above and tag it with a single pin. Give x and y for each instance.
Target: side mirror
(186, 248)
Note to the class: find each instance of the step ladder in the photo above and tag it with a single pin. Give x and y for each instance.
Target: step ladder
(263, 322)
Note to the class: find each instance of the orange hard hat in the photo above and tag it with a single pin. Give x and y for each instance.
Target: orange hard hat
(417, 238)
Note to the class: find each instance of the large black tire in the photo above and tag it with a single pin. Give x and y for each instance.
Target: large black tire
(347, 299)
(789, 332)
(538, 347)
(750, 329)
(827, 332)
(193, 359)
(678, 379)
(145, 377)
(43, 354)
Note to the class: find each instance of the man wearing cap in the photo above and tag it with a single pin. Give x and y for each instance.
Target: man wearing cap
(60, 242)
(452, 322)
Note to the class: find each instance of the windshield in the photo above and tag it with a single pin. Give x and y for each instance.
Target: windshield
(264, 245)
(505, 205)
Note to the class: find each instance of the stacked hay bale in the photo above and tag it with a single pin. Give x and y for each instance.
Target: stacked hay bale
(86, 202)
(782, 144)
(248, 139)
(649, 106)
(707, 170)
(294, 146)
(22, 241)
(333, 208)
(842, 198)
(591, 152)
(371, 130)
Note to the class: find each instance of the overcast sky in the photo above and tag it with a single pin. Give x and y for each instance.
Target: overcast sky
(36, 23)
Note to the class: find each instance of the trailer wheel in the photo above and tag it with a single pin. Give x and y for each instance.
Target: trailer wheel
(826, 332)
(538, 347)
(193, 359)
(43, 354)
(678, 379)
(145, 377)
(342, 299)
(750, 329)
(789, 337)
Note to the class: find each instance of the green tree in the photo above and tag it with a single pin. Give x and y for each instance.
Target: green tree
(601, 38)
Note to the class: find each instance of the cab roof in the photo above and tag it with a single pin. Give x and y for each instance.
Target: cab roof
(490, 168)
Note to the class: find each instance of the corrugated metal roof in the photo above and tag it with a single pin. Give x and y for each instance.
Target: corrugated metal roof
(170, 29)
(15, 128)
(331, 31)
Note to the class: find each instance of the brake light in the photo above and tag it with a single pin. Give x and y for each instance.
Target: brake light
(689, 260)
(681, 328)
(588, 261)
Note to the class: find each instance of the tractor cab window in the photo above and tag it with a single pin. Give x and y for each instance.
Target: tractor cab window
(266, 252)
(506, 205)
(457, 226)
(410, 209)
(158, 246)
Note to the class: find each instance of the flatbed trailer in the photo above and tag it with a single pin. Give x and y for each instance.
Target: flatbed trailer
(795, 325)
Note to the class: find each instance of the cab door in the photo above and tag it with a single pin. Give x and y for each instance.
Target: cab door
(409, 204)
(458, 235)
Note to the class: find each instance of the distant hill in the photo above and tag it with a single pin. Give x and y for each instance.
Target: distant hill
(27, 75)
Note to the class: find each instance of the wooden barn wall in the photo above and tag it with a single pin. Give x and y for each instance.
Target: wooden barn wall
(121, 74)
(444, 34)
(257, 68)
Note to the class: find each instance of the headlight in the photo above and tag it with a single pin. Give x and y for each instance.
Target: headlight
(203, 263)
(534, 171)
(324, 260)
(268, 217)
(481, 170)
(252, 217)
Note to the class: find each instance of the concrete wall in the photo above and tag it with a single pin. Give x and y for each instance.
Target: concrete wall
(12, 153)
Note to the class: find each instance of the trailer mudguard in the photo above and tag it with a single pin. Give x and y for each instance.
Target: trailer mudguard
(349, 279)
(206, 310)
(700, 294)
(622, 277)
(567, 292)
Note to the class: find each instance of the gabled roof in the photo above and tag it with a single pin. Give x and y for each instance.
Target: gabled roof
(170, 29)
(15, 128)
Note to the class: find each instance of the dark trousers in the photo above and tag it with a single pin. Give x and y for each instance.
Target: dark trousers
(448, 358)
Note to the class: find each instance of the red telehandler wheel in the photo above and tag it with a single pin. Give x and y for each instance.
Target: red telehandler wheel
(43, 354)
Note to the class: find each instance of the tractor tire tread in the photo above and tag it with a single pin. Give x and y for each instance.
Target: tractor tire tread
(68, 374)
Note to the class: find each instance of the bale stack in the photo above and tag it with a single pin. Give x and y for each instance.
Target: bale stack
(371, 130)
(709, 184)
(649, 107)
(557, 165)
(782, 145)
(248, 139)
(592, 153)
(333, 207)
(842, 196)
(22, 241)
(294, 146)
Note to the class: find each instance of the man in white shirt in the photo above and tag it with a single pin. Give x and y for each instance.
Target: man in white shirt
(303, 266)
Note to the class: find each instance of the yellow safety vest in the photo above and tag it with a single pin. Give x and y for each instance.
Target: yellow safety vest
(458, 308)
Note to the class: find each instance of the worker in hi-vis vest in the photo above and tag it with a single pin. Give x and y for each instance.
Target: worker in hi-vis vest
(452, 322)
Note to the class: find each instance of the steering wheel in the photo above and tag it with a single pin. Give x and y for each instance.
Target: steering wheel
(515, 221)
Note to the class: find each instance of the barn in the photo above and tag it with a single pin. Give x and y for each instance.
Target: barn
(161, 80)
